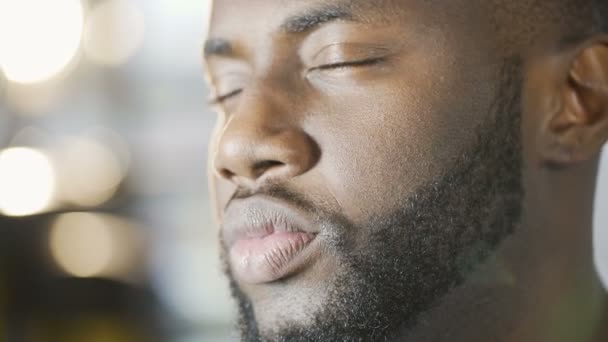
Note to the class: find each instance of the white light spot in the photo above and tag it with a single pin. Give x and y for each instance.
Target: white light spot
(114, 32)
(27, 182)
(89, 172)
(38, 38)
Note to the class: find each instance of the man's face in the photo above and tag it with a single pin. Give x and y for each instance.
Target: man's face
(366, 157)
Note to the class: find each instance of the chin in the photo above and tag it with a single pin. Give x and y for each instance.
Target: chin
(295, 300)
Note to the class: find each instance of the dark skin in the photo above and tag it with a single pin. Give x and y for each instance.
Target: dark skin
(360, 105)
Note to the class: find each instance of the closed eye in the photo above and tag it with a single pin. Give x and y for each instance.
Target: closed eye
(333, 66)
(351, 64)
(221, 98)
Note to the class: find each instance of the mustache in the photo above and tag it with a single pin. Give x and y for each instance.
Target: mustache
(276, 191)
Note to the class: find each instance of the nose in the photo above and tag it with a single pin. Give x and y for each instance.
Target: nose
(263, 144)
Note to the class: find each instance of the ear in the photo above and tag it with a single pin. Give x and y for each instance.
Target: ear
(576, 123)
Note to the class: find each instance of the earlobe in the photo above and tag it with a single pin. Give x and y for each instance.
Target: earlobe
(577, 130)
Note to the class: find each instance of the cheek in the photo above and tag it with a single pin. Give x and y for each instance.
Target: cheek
(220, 193)
(391, 143)
(219, 190)
(371, 161)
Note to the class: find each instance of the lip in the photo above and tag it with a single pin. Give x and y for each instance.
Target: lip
(267, 240)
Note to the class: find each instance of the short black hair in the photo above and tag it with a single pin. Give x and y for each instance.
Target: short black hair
(580, 19)
(601, 12)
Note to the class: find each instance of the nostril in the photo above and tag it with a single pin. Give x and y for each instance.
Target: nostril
(262, 167)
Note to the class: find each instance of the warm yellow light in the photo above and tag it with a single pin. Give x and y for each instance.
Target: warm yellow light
(38, 38)
(81, 244)
(114, 32)
(96, 245)
(27, 182)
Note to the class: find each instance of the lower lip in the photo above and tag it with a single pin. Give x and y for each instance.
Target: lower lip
(270, 258)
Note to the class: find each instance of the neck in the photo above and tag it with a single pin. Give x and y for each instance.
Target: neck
(541, 285)
(569, 302)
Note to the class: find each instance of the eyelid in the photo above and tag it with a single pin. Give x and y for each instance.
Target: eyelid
(344, 53)
(227, 85)
(215, 100)
(355, 63)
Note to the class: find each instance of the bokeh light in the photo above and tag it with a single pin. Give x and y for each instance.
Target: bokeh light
(81, 244)
(88, 244)
(89, 172)
(113, 33)
(34, 99)
(27, 181)
(38, 38)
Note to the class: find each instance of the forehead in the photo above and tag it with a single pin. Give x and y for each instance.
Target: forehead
(512, 24)
(234, 18)
(253, 28)
(238, 17)
(276, 10)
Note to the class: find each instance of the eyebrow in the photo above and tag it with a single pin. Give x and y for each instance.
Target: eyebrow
(217, 47)
(300, 23)
(316, 17)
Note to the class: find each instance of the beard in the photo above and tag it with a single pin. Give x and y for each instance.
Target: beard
(416, 255)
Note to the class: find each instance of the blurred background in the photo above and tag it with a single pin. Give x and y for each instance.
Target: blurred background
(105, 229)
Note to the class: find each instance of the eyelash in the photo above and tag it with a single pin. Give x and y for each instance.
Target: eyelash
(221, 98)
(354, 64)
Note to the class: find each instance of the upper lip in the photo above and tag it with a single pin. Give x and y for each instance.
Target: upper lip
(260, 216)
